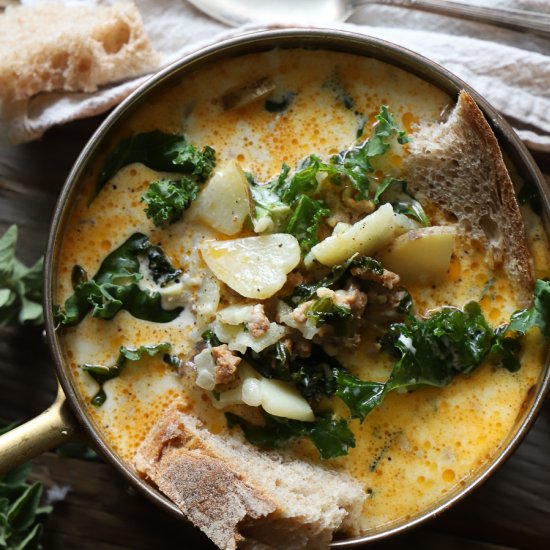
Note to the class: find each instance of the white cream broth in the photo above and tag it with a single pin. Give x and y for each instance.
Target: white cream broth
(415, 447)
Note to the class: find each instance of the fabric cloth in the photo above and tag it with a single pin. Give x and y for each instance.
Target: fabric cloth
(509, 68)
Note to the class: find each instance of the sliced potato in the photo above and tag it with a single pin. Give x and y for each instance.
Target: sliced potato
(282, 399)
(274, 396)
(364, 237)
(224, 203)
(255, 267)
(422, 255)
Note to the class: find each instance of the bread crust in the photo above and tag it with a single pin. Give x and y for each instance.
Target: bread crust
(60, 47)
(230, 490)
(458, 166)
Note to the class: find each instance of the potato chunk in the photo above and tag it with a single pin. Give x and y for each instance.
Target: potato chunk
(224, 203)
(364, 237)
(422, 255)
(255, 267)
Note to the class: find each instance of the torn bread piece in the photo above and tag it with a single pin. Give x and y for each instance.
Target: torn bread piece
(233, 492)
(458, 166)
(66, 47)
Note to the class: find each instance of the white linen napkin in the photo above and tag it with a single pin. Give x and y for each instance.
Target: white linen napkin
(510, 69)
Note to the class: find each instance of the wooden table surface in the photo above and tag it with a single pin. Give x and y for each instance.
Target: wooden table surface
(512, 510)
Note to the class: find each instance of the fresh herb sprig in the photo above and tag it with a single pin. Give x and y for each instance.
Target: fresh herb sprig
(20, 286)
(22, 516)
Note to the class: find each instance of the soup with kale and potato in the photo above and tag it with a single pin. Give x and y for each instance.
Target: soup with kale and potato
(250, 245)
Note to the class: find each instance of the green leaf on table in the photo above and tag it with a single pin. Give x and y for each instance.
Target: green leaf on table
(21, 514)
(20, 286)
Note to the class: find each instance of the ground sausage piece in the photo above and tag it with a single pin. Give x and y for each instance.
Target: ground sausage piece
(226, 364)
(259, 323)
(389, 279)
(353, 298)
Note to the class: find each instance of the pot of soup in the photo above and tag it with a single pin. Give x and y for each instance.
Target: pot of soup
(314, 246)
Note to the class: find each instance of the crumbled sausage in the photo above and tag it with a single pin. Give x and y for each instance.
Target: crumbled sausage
(226, 364)
(353, 298)
(258, 324)
(298, 314)
(389, 279)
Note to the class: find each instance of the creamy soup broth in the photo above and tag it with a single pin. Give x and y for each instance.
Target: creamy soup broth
(414, 448)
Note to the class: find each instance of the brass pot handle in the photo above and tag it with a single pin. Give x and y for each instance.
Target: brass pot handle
(55, 426)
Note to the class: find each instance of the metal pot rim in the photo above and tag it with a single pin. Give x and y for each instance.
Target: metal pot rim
(251, 42)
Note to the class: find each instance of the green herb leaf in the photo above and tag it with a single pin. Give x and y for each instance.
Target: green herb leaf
(325, 311)
(395, 192)
(20, 286)
(537, 315)
(210, 338)
(78, 450)
(21, 516)
(304, 222)
(312, 375)
(166, 199)
(104, 373)
(360, 396)
(435, 350)
(331, 436)
(161, 152)
(306, 291)
(115, 286)
(292, 200)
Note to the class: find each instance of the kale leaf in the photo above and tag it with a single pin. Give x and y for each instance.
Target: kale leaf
(326, 311)
(210, 338)
(435, 350)
(103, 373)
(360, 396)
(355, 162)
(166, 199)
(312, 375)
(20, 286)
(332, 437)
(115, 287)
(291, 199)
(537, 314)
(279, 102)
(395, 192)
(305, 219)
(306, 291)
(161, 152)
(162, 271)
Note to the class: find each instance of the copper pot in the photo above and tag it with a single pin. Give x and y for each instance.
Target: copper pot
(68, 419)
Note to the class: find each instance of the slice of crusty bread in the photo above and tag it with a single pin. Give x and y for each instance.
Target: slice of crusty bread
(64, 47)
(232, 491)
(458, 166)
